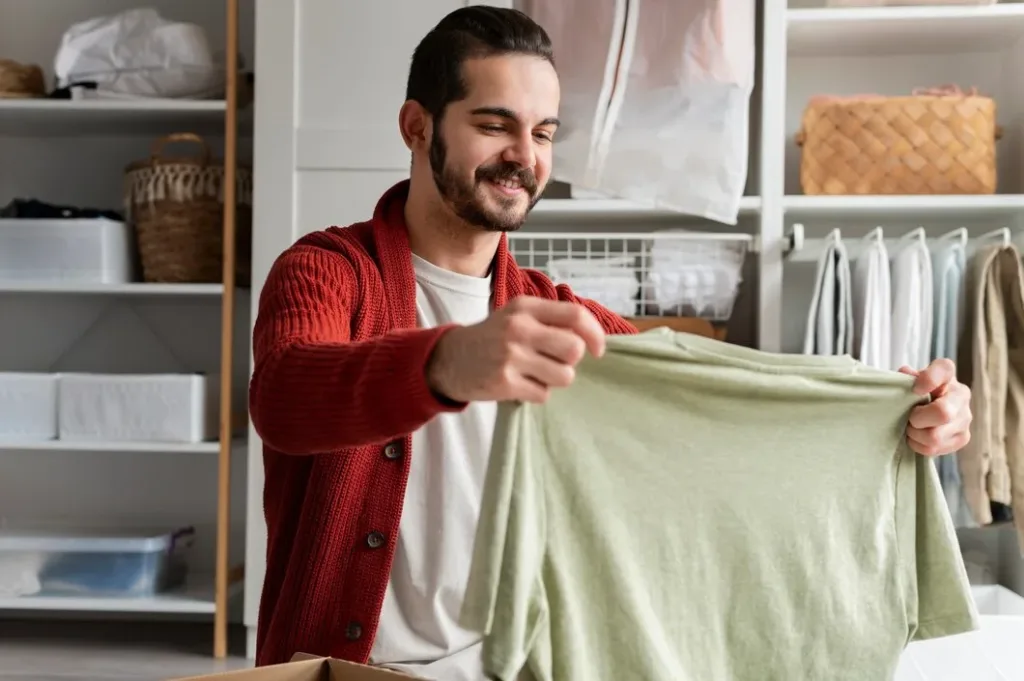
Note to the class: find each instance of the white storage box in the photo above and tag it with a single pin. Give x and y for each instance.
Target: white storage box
(95, 251)
(28, 406)
(91, 564)
(993, 653)
(137, 408)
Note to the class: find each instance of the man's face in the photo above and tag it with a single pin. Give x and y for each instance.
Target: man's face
(491, 152)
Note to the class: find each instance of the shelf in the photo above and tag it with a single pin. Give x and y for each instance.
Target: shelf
(130, 289)
(198, 599)
(938, 207)
(139, 447)
(618, 209)
(115, 117)
(880, 31)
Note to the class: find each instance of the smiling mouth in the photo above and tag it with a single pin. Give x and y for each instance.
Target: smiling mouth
(508, 187)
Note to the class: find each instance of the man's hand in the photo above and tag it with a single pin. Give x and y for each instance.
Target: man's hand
(943, 425)
(520, 352)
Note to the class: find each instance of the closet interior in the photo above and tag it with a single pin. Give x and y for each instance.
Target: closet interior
(89, 333)
(125, 232)
(842, 89)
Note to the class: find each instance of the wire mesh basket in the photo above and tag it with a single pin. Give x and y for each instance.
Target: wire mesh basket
(675, 273)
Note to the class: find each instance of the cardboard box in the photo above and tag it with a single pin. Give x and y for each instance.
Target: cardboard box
(307, 668)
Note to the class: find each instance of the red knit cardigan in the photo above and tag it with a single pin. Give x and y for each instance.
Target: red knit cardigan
(337, 389)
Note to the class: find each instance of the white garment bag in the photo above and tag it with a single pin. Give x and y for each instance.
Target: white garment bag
(677, 133)
(671, 83)
(587, 37)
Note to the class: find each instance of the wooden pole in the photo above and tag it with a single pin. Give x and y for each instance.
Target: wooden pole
(227, 328)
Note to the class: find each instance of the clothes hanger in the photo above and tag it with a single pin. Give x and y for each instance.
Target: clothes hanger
(958, 234)
(1003, 234)
(874, 235)
(913, 235)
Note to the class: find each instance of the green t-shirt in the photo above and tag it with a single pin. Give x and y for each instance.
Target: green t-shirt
(693, 510)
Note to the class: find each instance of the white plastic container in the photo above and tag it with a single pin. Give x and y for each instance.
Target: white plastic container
(28, 406)
(137, 408)
(95, 251)
(993, 653)
(92, 564)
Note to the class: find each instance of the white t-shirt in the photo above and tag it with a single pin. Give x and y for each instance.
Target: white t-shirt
(419, 630)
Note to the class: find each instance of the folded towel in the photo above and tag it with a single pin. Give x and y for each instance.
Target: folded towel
(611, 281)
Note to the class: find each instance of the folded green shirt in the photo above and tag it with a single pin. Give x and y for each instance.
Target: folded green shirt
(693, 510)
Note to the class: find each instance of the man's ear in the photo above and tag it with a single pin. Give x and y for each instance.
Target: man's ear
(414, 124)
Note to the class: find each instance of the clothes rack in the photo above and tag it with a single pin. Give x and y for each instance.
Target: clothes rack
(799, 248)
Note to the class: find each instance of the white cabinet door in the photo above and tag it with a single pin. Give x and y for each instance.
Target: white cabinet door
(352, 64)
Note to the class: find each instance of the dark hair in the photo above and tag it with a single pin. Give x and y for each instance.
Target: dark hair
(477, 31)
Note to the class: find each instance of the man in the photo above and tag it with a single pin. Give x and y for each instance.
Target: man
(381, 349)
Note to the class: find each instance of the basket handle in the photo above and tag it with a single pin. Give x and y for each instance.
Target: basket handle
(158, 145)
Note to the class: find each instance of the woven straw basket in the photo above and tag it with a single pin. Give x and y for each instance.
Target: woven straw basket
(21, 81)
(937, 141)
(176, 206)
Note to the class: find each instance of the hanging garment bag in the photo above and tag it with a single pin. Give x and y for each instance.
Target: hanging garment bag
(587, 38)
(677, 131)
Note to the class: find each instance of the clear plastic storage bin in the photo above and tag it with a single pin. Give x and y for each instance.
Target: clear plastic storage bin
(92, 564)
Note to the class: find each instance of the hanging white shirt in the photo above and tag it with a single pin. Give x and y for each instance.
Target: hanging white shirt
(872, 305)
(419, 630)
(912, 291)
(829, 329)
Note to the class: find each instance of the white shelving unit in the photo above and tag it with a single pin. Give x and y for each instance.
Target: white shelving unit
(135, 447)
(890, 51)
(74, 152)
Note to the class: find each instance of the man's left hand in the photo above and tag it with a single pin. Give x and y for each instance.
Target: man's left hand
(943, 425)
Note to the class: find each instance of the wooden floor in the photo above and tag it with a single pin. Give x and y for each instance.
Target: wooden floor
(111, 651)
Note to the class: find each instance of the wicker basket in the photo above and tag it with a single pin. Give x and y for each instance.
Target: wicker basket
(939, 141)
(176, 206)
(21, 81)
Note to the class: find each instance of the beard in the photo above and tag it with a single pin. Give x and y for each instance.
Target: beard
(467, 199)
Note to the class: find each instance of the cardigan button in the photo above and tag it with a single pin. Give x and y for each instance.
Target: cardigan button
(393, 450)
(375, 539)
(354, 631)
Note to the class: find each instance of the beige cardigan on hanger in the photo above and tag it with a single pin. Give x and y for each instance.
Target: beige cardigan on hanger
(991, 361)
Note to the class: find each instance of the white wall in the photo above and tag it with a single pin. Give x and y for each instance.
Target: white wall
(78, 332)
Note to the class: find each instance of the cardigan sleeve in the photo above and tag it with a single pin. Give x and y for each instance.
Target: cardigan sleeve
(313, 390)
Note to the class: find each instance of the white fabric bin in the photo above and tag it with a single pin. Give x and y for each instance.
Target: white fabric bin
(88, 250)
(28, 406)
(137, 408)
(993, 653)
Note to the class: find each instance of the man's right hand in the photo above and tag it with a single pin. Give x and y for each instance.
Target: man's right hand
(520, 352)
